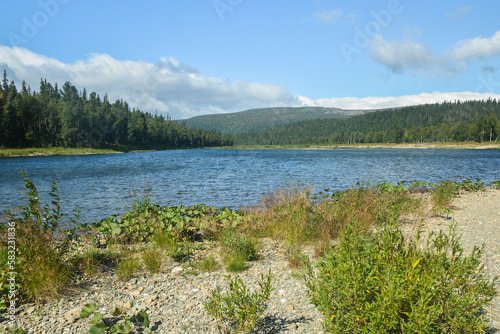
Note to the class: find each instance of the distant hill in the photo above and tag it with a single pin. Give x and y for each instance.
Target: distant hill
(261, 119)
(438, 122)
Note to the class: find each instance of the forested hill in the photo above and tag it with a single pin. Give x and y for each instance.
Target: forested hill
(457, 121)
(65, 117)
(260, 119)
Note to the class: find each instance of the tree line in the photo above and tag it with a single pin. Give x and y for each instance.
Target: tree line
(64, 116)
(440, 122)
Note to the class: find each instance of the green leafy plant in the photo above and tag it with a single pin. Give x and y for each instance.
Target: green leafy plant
(240, 309)
(101, 325)
(396, 286)
(443, 195)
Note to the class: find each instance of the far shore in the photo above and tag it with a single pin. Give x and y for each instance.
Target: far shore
(444, 145)
(54, 151)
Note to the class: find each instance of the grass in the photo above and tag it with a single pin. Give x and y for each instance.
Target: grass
(128, 264)
(237, 249)
(292, 216)
(152, 258)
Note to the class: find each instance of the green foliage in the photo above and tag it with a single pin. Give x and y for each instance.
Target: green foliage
(91, 259)
(496, 183)
(396, 286)
(237, 249)
(240, 309)
(41, 248)
(146, 220)
(101, 325)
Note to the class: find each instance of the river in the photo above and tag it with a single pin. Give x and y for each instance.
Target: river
(101, 185)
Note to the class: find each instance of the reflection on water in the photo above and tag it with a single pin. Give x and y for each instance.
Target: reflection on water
(100, 185)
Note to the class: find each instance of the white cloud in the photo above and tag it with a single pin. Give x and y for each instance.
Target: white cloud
(167, 87)
(401, 57)
(373, 102)
(478, 47)
(181, 91)
(458, 13)
(328, 16)
(331, 16)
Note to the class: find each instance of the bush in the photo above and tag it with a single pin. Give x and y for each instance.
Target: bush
(443, 195)
(240, 309)
(397, 286)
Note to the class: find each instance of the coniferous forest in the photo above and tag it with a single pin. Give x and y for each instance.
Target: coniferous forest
(64, 116)
(440, 122)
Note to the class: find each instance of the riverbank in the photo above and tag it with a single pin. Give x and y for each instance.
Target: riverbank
(175, 296)
(34, 152)
(444, 145)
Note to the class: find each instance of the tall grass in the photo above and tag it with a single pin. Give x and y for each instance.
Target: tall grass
(42, 248)
(294, 217)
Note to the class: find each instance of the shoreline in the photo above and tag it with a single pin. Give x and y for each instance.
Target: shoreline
(456, 146)
(69, 151)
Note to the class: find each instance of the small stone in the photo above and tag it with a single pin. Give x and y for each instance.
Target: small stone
(177, 270)
(72, 315)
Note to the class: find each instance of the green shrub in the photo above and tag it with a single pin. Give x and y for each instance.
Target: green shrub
(240, 309)
(382, 283)
(443, 195)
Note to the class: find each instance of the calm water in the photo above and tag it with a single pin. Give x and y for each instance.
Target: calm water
(100, 185)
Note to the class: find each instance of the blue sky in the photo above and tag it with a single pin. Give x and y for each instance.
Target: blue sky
(187, 58)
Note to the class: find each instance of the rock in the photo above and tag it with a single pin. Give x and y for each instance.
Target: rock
(72, 315)
(177, 270)
(30, 310)
(127, 305)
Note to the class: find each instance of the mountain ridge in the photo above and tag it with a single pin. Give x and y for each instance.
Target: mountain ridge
(252, 120)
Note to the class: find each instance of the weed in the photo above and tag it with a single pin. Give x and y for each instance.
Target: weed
(128, 264)
(208, 264)
(120, 323)
(152, 258)
(293, 255)
(41, 247)
(239, 310)
(443, 195)
(237, 249)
